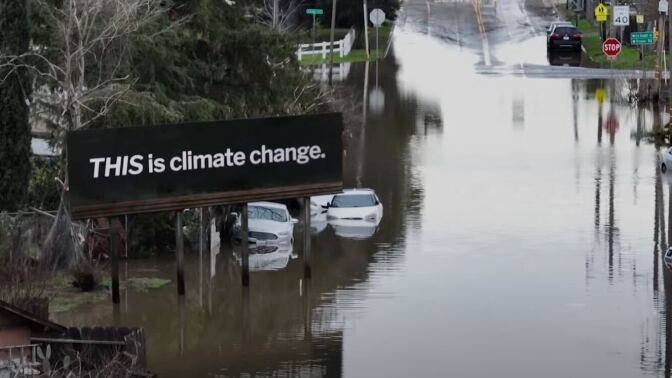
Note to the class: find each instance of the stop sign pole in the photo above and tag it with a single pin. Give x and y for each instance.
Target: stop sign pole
(611, 47)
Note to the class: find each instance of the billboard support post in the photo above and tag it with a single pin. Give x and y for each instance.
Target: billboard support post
(244, 245)
(307, 258)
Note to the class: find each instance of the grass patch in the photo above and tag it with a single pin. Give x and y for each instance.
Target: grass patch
(138, 283)
(63, 301)
(354, 56)
(359, 54)
(144, 283)
(64, 297)
(627, 59)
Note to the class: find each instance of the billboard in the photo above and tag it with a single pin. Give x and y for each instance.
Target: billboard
(172, 167)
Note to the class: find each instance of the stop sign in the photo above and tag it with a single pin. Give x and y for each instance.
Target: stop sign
(611, 47)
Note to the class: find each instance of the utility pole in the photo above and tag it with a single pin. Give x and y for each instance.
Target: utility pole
(669, 20)
(660, 51)
(331, 43)
(366, 29)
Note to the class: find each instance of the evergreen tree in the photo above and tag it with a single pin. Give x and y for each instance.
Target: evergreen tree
(15, 140)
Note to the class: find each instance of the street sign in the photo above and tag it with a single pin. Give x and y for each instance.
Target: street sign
(621, 15)
(611, 48)
(601, 12)
(377, 17)
(656, 35)
(640, 18)
(314, 11)
(641, 38)
(662, 6)
(131, 170)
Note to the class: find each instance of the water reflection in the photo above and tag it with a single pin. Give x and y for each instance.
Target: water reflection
(354, 229)
(567, 58)
(266, 257)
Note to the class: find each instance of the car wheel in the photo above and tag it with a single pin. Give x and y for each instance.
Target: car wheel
(663, 168)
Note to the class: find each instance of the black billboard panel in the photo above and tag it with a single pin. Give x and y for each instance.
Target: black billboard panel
(171, 167)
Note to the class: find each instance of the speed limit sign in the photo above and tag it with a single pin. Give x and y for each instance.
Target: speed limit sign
(621, 15)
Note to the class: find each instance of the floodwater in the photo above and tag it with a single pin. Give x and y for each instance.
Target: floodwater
(522, 235)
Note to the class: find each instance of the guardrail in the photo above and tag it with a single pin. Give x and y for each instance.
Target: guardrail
(341, 47)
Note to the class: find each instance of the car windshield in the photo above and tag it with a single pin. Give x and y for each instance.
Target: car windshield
(353, 200)
(565, 30)
(267, 213)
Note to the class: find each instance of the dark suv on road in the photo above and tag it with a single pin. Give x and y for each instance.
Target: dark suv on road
(563, 37)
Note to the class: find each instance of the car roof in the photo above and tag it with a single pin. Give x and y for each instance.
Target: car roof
(356, 191)
(567, 26)
(274, 205)
(562, 23)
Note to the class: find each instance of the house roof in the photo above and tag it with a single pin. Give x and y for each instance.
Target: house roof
(44, 325)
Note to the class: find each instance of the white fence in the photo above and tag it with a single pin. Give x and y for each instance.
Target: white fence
(342, 47)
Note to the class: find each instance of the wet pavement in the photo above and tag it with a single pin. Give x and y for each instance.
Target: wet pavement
(522, 234)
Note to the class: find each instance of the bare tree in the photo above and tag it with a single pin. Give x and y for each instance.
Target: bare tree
(286, 14)
(80, 74)
(82, 70)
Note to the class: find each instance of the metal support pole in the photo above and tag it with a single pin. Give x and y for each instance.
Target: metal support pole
(126, 231)
(377, 48)
(331, 42)
(660, 50)
(307, 258)
(669, 37)
(312, 47)
(201, 246)
(245, 257)
(366, 29)
(115, 261)
(179, 245)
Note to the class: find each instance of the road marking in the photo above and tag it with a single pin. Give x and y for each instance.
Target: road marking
(429, 15)
(481, 28)
(527, 18)
(457, 23)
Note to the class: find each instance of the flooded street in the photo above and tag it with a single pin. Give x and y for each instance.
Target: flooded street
(522, 235)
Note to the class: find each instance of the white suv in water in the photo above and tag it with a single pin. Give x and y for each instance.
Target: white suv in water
(355, 204)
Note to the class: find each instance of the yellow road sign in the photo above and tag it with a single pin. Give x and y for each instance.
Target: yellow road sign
(656, 35)
(600, 95)
(640, 18)
(601, 12)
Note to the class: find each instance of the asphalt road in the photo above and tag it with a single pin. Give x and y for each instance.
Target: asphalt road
(507, 36)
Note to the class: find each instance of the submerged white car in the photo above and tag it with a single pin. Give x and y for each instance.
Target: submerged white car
(318, 204)
(667, 259)
(666, 156)
(268, 223)
(355, 204)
